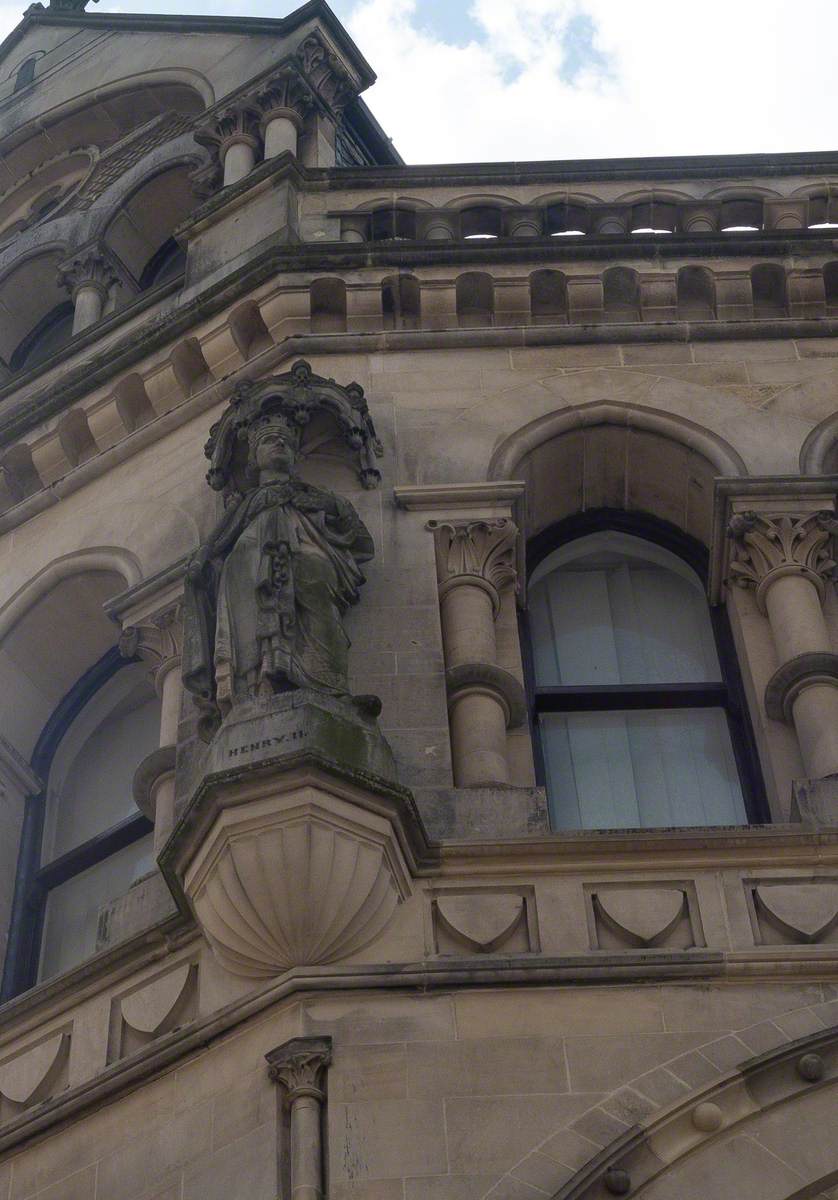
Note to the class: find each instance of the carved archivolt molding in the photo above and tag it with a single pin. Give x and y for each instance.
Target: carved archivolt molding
(469, 550)
(767, 547)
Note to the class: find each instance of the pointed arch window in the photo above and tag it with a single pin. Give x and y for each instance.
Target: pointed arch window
(636, 721)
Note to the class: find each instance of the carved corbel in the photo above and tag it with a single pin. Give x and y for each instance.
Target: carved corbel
(327, 74)
(298, 1068)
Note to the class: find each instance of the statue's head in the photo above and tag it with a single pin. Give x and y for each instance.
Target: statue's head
(273, 444)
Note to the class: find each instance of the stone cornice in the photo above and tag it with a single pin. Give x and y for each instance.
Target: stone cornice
(456, 498)
(594, 969)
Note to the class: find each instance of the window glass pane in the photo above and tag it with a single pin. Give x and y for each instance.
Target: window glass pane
(72, 913)
(614, 609)
(652, 768)
(91, 776)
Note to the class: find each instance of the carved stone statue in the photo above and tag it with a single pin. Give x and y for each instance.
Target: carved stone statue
(266, 592)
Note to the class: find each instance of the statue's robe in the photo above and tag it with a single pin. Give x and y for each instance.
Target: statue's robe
(282, 568)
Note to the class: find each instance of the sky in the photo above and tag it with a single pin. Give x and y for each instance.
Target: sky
(501, 80)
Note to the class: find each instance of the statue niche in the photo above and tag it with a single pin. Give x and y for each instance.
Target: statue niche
(266, 592)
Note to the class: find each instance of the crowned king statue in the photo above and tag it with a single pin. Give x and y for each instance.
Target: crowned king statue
(267, 590)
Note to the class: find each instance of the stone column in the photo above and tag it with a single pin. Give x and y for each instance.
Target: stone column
(298, 1069)
(89, 277)
(18, 782)
(159, 643)
(283, 102)
(786, 558)
(475, 562)
(233, 139)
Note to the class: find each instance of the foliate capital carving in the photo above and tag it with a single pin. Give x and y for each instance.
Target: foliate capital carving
(93, 267)
(284, 92)
(298, 1066)
(471, 549)
(236, 122)
(158, 641)
(768, 546)
(326, 74)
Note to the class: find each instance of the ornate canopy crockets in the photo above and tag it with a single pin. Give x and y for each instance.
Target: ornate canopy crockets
(289, 401)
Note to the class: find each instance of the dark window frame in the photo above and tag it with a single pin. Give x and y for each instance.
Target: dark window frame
(35, 880)
(728, 695)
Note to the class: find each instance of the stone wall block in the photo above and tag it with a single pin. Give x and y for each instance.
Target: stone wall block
(585, 298)
(658, 298)
(806, 293)
(734, 297)
(512, 301)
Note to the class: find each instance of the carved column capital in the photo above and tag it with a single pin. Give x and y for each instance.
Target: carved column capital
(93, 267)
(768, 546)
(158, 641)
(298, 1066)
(478, 551)
(326, 74)
(284, 93)
(235, 122)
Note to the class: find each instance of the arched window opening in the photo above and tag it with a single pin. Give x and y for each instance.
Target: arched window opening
(168, 262)
(401, 302)
(328, 306)
(398, 224)
(475, 299)
(696, 289)
(652, 217)
(566, 220)
(621, 294)
(25, 73)
(768, 284)
(482, 221)
(738, 216)
(51, 333)
(95, 844)
(548, 297)
(823, 211)
(830, 285)
(634, 719)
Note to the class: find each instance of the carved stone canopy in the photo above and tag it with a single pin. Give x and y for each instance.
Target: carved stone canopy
(293, 398)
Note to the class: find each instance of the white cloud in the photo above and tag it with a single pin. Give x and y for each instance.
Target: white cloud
(682, 79)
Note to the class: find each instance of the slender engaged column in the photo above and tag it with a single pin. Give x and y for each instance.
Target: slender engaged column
(232, 138)
(787, 559)
(298, 1068)
(89, 277)
(475, 561)
(159, 643)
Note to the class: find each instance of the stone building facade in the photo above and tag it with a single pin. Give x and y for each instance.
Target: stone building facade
(437, 799)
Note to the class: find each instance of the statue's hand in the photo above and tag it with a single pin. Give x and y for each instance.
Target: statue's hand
(195, 570)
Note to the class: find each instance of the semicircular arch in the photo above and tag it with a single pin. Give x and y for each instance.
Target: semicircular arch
(610, 454)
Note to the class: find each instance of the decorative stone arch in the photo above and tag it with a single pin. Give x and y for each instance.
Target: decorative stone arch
(660, 1103)
(771, 1119)
(615, 455)
(52, 630)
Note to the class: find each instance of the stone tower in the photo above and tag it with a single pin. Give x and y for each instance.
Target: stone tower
(418, 645)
